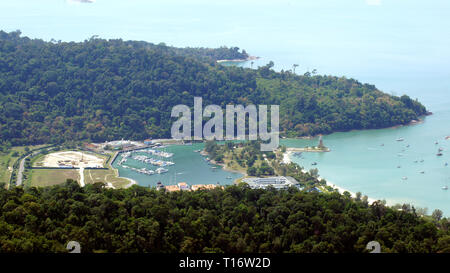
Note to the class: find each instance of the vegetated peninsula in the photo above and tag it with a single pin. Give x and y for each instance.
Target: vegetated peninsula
(97, 90)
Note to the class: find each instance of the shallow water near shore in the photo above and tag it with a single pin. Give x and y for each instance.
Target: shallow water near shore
(374, 163)
(333, 37)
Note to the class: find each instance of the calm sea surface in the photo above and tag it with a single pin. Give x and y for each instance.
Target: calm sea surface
(401, 48)
(190, 167)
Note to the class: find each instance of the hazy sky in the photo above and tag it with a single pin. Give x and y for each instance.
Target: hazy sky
(357, 37)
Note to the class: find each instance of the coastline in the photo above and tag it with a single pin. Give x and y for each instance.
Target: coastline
(132, 182)
(413, 122)
(116, 171)
(249, 58)
(228, 169)
(287, 160)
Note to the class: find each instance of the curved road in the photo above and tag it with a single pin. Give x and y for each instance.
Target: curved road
(19, 180)
(20, 171)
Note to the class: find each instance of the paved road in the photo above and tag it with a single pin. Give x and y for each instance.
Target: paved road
(20, 172)
(22, 168)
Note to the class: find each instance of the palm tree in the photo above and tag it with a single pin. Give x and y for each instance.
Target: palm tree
(294, 66)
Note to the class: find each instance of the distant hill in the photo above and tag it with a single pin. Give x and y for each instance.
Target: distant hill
(98, 90)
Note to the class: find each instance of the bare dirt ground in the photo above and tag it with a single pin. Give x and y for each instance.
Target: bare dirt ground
(72, 159)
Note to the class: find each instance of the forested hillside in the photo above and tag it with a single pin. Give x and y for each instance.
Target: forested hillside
(97, 90)
(235, 220)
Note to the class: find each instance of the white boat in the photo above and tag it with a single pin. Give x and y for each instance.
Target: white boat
(161, 170)
(404, 178)
(400, 139)
(445, 188)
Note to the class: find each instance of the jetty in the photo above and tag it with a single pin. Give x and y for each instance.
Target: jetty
(320, 148)
(308, 149)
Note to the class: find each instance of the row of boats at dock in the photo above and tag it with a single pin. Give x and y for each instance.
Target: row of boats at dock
(157, 153)
(145, 159)
(153, 161)
(147, 171)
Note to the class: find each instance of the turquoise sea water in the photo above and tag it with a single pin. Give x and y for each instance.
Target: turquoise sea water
(400, 47)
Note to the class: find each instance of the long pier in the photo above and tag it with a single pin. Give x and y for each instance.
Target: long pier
(309, 149)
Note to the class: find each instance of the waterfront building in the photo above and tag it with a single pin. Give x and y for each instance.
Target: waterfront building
(171, 188)
(183, 186)
(278, 182)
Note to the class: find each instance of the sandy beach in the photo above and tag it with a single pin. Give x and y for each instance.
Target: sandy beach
(132, 182)
(287, 160)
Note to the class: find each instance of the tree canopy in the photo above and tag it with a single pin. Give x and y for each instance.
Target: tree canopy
(97, 90)
(234, 220)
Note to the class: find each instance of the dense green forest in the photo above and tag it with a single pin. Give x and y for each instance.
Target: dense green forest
(52, 92)
(234, 220)
(221, 53)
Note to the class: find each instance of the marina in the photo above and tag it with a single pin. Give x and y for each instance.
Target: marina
(186, 164)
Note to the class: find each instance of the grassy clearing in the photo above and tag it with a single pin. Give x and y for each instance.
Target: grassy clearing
(109, 176)
(232, 164)
(8, 159)
(6, 163)
(50, 177)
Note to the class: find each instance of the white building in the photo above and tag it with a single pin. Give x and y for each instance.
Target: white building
(278, 182)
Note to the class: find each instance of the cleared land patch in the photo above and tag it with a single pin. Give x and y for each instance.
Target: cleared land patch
(75, 159)
(50, 177)
(107, 176)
